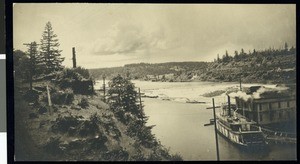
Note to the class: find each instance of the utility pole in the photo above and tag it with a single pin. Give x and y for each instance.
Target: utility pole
(74, 57)
(216, 135)
(104, 88)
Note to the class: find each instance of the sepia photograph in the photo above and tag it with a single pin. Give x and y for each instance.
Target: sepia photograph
(154, 82)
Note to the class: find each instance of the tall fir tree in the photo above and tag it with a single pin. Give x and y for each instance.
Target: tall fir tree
(50, 50)
(123, 98)
(33, 63)
(35, 60)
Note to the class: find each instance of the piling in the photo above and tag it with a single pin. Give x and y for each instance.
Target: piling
(216, 135)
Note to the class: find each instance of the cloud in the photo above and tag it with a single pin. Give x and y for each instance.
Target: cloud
(128, 39)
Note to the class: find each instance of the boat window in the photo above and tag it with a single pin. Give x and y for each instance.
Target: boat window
(235, 127)
(244, 127)
(261, 117)
(280, 114)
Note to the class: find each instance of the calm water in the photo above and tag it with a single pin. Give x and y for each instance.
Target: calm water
(179, 126)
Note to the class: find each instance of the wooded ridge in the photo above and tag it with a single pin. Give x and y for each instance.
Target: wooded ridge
(266, 66)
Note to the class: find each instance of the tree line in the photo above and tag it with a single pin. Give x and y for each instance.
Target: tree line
(242, 55)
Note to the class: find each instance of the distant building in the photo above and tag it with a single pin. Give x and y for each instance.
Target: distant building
(267, 105)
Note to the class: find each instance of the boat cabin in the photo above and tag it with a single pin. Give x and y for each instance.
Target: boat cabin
(267, 106)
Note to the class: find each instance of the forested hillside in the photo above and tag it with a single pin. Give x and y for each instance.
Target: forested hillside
(266, 66)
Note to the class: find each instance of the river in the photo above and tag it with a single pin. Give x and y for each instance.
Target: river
(180, 125)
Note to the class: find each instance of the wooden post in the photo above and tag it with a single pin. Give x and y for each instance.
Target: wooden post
(30, 80)
(229, 107)
(216, 135)
(140, 98)
(74, 57)
(104, 88)
(140, 102)
(49, 100)
(240, 84)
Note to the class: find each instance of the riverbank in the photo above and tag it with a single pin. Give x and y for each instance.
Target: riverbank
(76, 132)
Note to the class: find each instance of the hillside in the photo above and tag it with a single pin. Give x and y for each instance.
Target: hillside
(77, 126)
(267, 66)
(146, 70)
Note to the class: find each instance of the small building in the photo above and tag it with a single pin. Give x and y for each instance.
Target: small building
(267, 105)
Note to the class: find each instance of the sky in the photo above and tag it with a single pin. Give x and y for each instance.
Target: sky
(110, 35)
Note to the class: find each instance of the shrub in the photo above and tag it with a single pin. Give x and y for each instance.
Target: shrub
(63, 97)
(63, 124)
(33, 116)
(88, 128)
(52, 146)
(84, 103)
(31, 96)
(116, 155)
(42, 110)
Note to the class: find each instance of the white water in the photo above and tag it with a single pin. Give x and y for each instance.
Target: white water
(179, 125)
(183, 91)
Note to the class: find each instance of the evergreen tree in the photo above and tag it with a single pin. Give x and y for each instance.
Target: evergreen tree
(218, 58)
(236, 55)
(34, 63)
(49, 50)
(286, 47)
(123, 100)
(21, 64)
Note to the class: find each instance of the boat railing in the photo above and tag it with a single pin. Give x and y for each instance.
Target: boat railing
(269, 132)
(251, 128)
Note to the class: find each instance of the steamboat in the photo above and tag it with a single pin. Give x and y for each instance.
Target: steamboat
(238, 129)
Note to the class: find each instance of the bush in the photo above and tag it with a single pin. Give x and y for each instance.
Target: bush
(76, 78)
(84, 103)
(53, 146)
(63, 124)
(63, 97)
(42, 110)
(88, 128)
(31, 96)
(33, 116)
(116, 155)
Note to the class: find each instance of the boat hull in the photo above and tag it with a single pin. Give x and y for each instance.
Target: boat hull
(237, 138)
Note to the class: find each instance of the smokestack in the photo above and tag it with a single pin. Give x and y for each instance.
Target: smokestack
(229, 107)
(74, 57)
